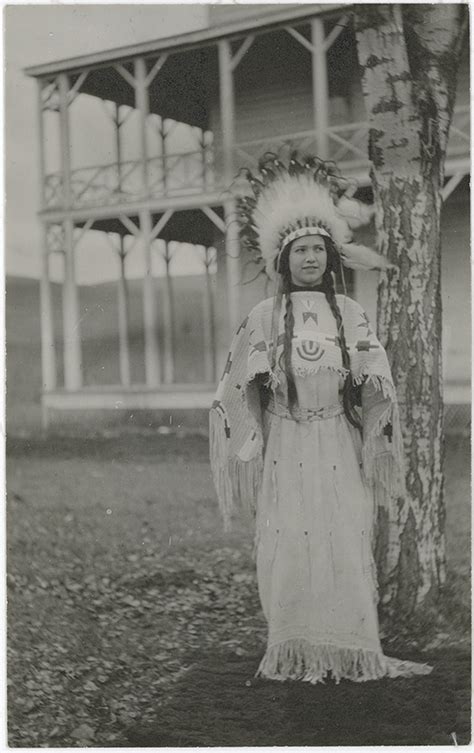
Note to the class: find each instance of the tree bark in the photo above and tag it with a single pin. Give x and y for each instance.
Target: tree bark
(408, 56)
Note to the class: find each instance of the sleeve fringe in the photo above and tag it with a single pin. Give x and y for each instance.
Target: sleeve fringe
(383, 466)
(234, 479)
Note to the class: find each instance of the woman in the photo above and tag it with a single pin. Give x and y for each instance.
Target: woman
(288, 437)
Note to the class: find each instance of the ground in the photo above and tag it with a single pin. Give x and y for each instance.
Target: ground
(134, 620)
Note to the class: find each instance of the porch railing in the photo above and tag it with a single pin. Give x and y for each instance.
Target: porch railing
(193, 172)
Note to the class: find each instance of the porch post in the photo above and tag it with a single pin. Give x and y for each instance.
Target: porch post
(48, 346)
(320, 87)
(118, 147)
(152, 364)
(209, 323)
(71, 318)
(122, 295)
(227, 108)
(42, 170)
(63, 86)
(232, 249)
(232, 244)
(142, 105)
(162, 129)
(168, 320)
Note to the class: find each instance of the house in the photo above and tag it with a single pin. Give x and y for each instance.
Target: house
(185, 113)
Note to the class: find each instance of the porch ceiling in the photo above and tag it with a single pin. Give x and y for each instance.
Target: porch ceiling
(190, 226)
(180, 91)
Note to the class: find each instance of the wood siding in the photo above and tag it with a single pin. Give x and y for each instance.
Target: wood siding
(455, 285)
(273, 89)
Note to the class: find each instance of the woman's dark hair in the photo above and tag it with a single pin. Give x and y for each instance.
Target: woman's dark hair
(350, 396)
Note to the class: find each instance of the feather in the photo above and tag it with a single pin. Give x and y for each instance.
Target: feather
(303, 192)
(356, 256)
(355, 212)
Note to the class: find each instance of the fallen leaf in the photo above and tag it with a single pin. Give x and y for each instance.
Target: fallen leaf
(83, 732)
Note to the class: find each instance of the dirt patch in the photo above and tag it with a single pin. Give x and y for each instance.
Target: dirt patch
(220, 703)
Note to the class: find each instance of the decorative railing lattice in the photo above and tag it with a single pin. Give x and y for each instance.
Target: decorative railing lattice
(169, 175)
(197, 171)
(346, 145)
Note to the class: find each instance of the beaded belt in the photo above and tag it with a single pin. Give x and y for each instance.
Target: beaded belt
(304, 414)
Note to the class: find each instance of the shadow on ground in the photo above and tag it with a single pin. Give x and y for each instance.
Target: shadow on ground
(219, 703)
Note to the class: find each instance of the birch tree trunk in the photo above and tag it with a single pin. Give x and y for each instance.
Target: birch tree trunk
(409, 56)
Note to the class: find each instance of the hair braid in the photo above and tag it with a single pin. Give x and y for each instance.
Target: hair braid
(349, 393)
(349, 397)
(289, 320)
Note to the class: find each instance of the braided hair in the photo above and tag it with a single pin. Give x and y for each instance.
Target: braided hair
(350, 394)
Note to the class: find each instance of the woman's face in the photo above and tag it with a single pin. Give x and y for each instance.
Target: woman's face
(308, 260)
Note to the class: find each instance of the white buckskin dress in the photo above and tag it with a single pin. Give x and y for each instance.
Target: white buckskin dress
(314, 487)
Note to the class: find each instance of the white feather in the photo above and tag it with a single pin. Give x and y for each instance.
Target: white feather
(293, 198)
(355, 212)
(356, 256)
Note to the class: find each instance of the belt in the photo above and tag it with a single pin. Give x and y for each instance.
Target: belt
(304, 414)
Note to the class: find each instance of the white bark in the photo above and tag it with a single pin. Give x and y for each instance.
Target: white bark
(408, 56)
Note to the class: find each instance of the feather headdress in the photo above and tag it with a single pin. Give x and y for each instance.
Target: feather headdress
(285, 201)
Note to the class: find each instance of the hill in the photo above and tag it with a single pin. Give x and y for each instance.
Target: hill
(99, 336)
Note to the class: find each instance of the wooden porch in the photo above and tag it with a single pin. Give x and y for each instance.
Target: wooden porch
(236, 99)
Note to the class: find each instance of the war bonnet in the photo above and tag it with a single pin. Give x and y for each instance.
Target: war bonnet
(283, 201)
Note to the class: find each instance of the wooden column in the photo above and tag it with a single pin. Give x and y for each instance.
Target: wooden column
(122, 295)
(41, 162)
(118, 148)
(209, 323)
(142, 104)
(227, 108)
(320, 87)
(152, 365)
(163, 154)
(208, 160)
(48, 346)
(232, 244)
(232, 250)
(71, 318)
(168, 321)
(63, 86)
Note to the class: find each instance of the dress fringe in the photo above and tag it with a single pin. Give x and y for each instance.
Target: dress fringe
(300, 660)
(384, 469)
(234, 479)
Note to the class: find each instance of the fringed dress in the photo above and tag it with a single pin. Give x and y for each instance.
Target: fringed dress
(314, 486)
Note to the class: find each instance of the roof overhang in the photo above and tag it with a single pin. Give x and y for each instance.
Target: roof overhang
(186, 41)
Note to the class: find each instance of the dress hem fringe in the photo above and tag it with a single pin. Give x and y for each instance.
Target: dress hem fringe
(299, 659)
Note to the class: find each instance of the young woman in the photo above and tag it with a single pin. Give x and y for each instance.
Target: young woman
(304, 429)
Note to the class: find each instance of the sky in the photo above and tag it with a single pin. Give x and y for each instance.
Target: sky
(35, 34)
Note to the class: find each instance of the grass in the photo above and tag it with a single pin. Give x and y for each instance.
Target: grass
(133, 620)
